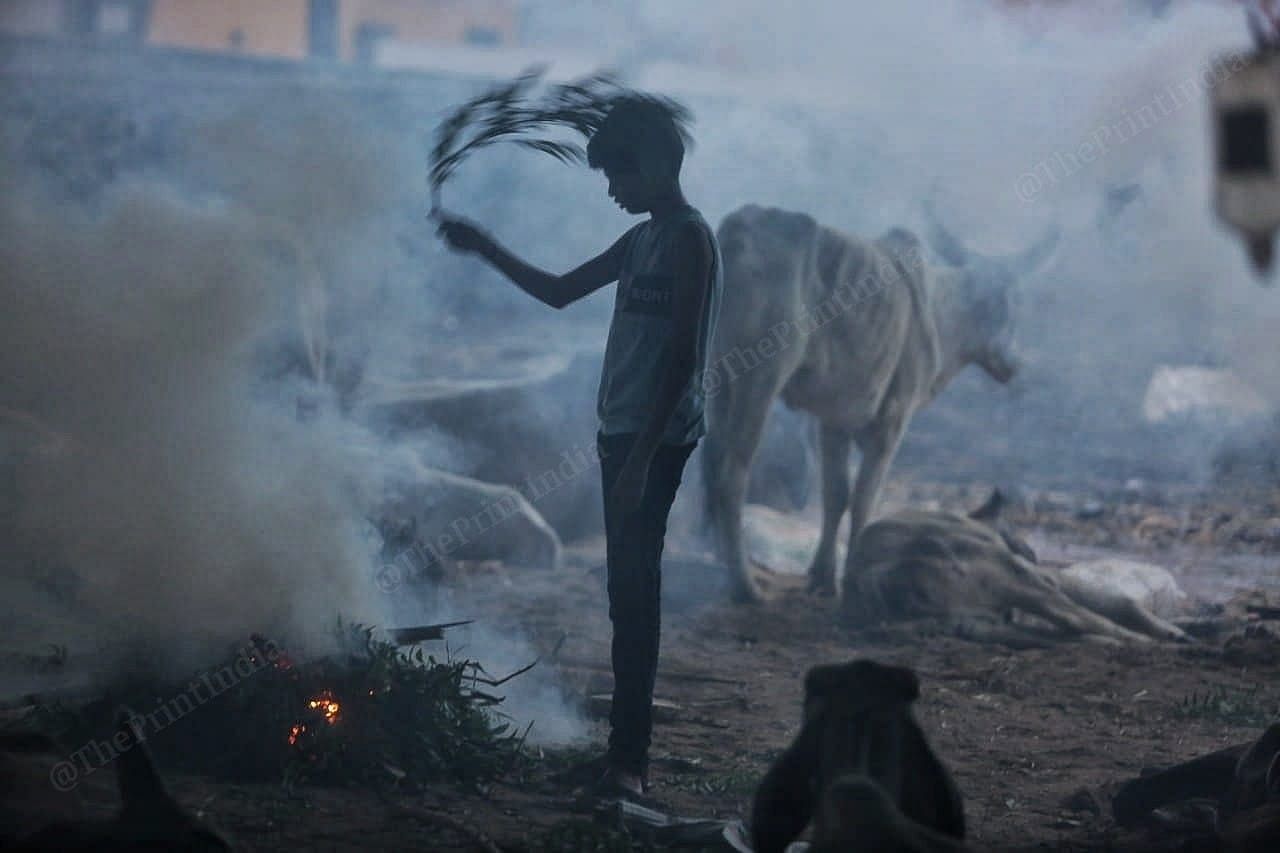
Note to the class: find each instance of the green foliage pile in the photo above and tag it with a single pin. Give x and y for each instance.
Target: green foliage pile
(373, 714)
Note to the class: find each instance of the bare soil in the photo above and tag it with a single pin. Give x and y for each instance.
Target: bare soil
(1037, 739)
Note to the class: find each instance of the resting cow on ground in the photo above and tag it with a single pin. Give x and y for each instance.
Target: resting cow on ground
(860, 334)
(957, 569)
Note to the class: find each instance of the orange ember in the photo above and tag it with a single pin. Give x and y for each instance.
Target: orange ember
(326, 704)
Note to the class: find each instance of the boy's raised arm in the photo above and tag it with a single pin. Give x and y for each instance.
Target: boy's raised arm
(554, 290)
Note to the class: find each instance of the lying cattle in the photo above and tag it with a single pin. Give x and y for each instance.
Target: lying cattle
(958, 570)
(437, 516)
(861, 770)
(860, 334)
(531, 432)
(1242, 782)
(39, 811)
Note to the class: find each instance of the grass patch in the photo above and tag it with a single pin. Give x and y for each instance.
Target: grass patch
(1231, 705)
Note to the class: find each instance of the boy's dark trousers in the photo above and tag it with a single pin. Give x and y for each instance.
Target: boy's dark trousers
(634, 555)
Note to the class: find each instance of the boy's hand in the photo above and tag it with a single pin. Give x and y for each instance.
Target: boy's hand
(628, 489)
(463, 236)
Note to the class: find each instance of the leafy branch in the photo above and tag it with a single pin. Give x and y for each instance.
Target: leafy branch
(509, 112)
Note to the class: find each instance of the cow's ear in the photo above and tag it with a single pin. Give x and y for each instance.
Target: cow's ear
(821, 681)
(875, 684)
(140, 786)
(904, 683)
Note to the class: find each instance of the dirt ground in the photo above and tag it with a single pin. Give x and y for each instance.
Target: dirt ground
(1037, 738)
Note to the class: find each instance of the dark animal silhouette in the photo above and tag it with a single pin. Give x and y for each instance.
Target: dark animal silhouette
(37, 816)
(861, 770)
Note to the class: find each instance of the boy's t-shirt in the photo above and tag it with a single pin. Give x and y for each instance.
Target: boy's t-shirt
(631, 378)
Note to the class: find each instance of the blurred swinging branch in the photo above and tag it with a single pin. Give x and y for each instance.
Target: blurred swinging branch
(510, 113)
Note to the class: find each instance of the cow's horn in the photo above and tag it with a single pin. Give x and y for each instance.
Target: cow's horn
(946, 244)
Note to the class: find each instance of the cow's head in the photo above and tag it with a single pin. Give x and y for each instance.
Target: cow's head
(987, 295)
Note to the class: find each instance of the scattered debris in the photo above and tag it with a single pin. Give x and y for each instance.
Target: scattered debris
(675, 831)
(1090, 510)
(422, 633)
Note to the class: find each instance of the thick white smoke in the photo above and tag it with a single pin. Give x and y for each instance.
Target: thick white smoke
(162, 497)
(184, 511)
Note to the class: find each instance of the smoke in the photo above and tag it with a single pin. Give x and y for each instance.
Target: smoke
(182, 511)
(181, 346)
(1092, 116)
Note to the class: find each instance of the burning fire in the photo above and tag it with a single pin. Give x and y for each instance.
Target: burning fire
(326, 704)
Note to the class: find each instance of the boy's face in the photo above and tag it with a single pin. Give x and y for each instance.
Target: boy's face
(630, 189)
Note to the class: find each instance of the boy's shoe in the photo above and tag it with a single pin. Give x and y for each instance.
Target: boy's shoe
(615, 783)
(616, 786)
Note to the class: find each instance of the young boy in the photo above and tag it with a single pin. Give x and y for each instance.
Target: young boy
(650, 403)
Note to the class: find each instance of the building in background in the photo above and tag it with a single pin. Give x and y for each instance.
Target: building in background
(345, 30)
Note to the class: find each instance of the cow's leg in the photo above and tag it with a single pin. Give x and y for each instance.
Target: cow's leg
(1029, 592)
(879, 445)
(834, 443)
(731, 443)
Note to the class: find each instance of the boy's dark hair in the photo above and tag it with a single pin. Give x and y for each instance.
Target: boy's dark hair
(641, 133)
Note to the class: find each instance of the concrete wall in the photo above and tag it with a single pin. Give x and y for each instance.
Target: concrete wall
(281, 28)
(275, 28)
(427, 21)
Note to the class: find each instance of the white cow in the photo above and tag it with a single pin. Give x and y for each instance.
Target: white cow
(859, 333)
